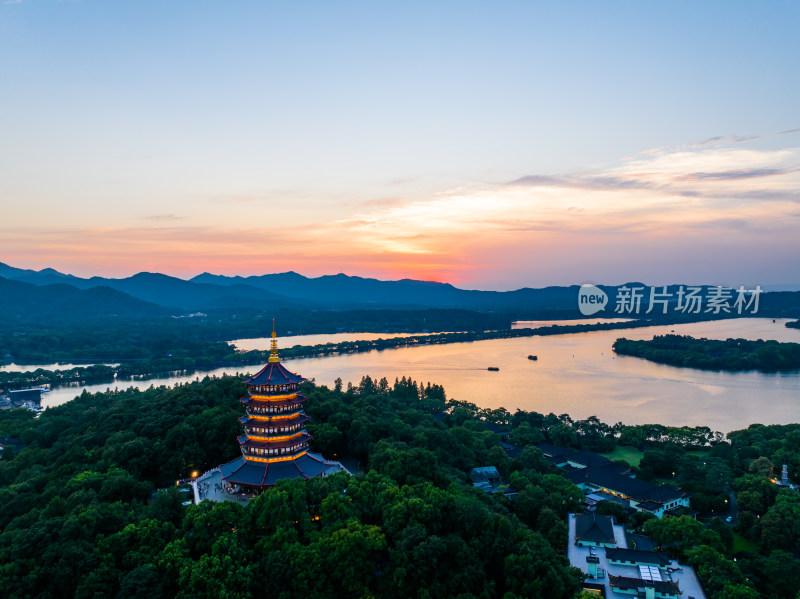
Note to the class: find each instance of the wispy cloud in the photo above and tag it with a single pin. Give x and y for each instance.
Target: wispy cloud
(162, 217)
(725, 140)
(710, 140)
(695, 189)
(733, 175)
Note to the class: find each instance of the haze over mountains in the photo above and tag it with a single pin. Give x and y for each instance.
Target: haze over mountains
(153, 293)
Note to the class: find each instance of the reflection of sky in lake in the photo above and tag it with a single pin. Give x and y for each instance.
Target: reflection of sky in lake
(577, 374)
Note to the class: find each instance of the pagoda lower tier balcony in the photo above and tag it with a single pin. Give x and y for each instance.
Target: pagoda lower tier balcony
(275, 443)
(274, 452)
(276, 398)
(254, 430)
(274, 424)
(266, 406)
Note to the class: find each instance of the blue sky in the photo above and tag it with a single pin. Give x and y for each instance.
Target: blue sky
(382, 139)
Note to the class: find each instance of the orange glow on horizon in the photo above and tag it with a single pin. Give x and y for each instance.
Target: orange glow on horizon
(631, 218)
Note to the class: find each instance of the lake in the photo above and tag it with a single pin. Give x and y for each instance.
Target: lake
(577, 374)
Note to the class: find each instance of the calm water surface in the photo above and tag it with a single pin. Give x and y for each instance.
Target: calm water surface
(577, 374)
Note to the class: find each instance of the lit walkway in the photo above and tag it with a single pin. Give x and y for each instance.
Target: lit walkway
(210, 486)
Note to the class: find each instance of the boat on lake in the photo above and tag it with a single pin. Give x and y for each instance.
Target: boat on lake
(532, 357)
(493, 368)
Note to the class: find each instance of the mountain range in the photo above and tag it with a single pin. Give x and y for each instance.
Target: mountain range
(290, 290)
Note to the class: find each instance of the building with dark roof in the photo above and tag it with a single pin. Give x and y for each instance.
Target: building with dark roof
(550, 450)
(570, 459)
(593, 529)
(648, 589)
(621, 572)
(635, 557)
(594, 473)
(275, 441)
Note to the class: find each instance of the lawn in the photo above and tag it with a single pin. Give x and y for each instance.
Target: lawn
(622, 452)
(742, 544)
(699, 453)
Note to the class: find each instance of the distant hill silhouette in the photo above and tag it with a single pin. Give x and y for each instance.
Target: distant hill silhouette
(162, 289)
(24, 302)
(177, 293)
(46, 276)
(342, 288)
(290, 290)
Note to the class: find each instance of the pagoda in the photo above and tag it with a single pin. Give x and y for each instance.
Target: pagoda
(275, 441)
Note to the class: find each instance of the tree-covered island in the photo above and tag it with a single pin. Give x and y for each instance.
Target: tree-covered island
(710, 354)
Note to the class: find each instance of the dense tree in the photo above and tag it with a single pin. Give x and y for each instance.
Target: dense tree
(731, 354)
(720, 575)
(78, 506)
(79, 515)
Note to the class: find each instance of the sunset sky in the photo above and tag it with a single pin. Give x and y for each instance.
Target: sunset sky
(493, 145)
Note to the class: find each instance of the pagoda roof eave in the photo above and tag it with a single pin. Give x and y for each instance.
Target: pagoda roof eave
(262, 474)
(274, 374)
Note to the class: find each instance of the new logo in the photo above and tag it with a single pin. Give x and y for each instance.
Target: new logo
(591, 299)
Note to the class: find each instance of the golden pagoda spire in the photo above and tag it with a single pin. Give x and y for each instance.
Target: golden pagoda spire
(273, 353)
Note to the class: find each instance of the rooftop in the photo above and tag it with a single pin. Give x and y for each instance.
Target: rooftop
(635, 488)
(274, 374)
(593, 528)
(258, 474)
(293, 441)
(635, 555)
(629, 583)
(683, 576)
(486, 473)
(552, 450)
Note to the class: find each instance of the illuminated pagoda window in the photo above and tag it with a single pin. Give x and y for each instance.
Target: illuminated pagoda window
(275, 441)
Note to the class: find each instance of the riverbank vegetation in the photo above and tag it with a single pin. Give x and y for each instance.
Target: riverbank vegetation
(79, 514)
(710, 354)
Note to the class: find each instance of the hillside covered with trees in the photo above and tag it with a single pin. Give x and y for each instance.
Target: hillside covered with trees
(81, 516)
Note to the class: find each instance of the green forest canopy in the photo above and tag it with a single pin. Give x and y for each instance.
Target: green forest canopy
(78, 515)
